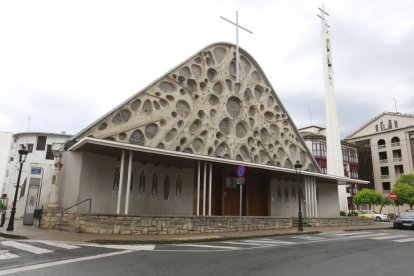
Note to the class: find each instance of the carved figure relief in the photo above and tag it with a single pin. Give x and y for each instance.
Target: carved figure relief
(154, 187)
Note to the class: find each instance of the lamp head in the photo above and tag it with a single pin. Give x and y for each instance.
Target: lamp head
(23, 152)
(298, 167)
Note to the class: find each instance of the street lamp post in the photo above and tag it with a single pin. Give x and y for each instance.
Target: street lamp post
(22, 157)
(298, 168)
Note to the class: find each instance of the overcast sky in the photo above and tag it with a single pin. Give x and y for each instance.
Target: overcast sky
(64, 64)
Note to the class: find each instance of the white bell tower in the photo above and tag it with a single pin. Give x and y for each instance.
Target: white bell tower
(335, 163)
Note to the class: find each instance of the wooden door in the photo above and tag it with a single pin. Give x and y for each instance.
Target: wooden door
(257, 199)
(231, 197)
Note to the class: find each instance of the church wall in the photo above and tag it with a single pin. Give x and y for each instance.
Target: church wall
(69, 178)
(284, 198)
(328, 201)
(98, 181)
(168, 198)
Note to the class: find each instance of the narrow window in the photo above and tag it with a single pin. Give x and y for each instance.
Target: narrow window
(395, 124)
(49, 153)
(41, 143)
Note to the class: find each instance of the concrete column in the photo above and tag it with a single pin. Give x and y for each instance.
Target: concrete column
(311, 200)
(209, 188)
(198, 188)
(204, 188)
(128, 183)
(121, 181)
(54, 193)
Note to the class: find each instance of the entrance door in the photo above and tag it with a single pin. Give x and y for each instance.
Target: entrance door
(231, 197)
(257, 196)
(31, 201)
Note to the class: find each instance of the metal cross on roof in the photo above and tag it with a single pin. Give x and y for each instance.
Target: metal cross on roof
(237, 40)
(324, 21)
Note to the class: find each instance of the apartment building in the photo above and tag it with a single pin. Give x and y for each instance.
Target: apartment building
(315, 139)
(386, 143)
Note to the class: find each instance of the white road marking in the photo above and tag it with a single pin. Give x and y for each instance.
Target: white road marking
(242, 243)
(369, 235)
(4, 254)
(351, 233)
(56, 244)
(308, 238)
(269, 241)
(26, 247)
(404, 240)
(146, 247)
(44, 265)
(209, 246)
(389, 237)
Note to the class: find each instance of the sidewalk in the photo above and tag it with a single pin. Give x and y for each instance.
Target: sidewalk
(29, 232)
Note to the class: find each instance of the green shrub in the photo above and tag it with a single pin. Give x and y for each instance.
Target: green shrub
(342, 213)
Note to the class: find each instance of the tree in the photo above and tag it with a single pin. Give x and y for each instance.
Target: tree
(405, 193)
(368, 196)
(406, 178)
(384, 201)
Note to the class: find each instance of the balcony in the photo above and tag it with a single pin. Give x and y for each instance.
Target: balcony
(398, 159)
(383, 161)
(382, 146)
(396, 144)
(385, 176)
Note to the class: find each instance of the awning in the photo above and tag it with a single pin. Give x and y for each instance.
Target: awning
(154, 155)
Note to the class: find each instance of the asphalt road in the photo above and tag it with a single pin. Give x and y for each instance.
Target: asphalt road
(372, 252)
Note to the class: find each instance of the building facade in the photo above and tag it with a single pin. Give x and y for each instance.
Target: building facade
(173, 149)
(386, 143)
(5, 143)
(315, 138)
(37, 170)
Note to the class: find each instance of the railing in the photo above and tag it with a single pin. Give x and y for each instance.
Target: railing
(382, 161)
(385, 176)
(382, 146)
(396, 144)
(398, 159)
(88, 199)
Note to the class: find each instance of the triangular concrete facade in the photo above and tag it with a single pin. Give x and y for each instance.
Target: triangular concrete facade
(199, 108)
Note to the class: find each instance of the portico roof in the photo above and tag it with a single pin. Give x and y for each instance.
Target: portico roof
(162, 156)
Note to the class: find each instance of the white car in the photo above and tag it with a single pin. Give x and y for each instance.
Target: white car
(372, 214)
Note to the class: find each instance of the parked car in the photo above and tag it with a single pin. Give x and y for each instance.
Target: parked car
(405, 220)
(372, 214)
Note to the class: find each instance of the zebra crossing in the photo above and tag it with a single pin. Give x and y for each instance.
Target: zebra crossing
(9, 245)
(9, 249)
(12, 249)
(255, 243)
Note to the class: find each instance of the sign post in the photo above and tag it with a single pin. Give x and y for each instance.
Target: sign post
(393, 197)
(241, 172)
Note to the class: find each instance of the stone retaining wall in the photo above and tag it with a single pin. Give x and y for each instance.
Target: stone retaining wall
(336, 222)
(176, 225)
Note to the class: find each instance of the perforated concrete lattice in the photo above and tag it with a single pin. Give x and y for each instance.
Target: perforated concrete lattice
(199, 108)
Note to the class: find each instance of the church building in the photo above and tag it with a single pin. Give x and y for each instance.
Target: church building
(173, 148)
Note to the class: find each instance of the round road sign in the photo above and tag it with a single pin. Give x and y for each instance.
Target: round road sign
(241, 171)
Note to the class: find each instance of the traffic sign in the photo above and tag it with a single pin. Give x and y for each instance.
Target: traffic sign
(241, 171)
(393, 196)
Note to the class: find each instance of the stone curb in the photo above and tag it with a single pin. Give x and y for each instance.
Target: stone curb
(13, 236)
(203, 239)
